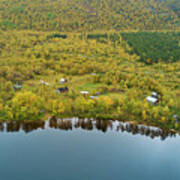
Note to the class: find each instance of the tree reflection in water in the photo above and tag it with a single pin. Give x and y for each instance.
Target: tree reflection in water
(86, 124)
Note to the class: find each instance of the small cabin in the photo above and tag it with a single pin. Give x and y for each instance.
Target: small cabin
(84, 93)
(63, 81)
(154, 94)
(93, 74)
(62, 90)
(44, 83)
(17, 87)
(152, 100)
(176, 118)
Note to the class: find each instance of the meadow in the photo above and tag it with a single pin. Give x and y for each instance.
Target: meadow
(106, 65)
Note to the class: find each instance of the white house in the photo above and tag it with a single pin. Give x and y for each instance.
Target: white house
(154, 94)
(152, 100)
(63, 80)
(84, 92)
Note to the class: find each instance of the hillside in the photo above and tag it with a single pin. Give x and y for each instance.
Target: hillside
(118, 82)
(83, 15)
(175, 6)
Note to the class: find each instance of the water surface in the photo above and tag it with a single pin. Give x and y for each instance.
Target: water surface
(87, 150)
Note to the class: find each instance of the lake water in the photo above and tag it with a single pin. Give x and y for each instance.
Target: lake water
(87, 150)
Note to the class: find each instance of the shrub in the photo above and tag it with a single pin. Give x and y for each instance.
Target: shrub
(63, 36)
(26, 106)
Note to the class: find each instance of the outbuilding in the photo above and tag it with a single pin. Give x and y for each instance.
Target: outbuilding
(154, 94)
(176, 118)
(152, 100)
(62, 90)
(17, 87)
(63, 81)
(85, 93)
(44, 83)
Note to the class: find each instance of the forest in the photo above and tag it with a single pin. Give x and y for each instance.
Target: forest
(154, 46)
(90, 59)
(89, 15)
(105, 77)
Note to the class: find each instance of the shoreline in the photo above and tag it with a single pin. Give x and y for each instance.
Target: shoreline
(87, 124)
(83, 118)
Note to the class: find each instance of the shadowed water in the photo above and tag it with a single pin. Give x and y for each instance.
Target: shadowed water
(87, 149)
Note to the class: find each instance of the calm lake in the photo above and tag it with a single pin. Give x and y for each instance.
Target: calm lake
(87, 150)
